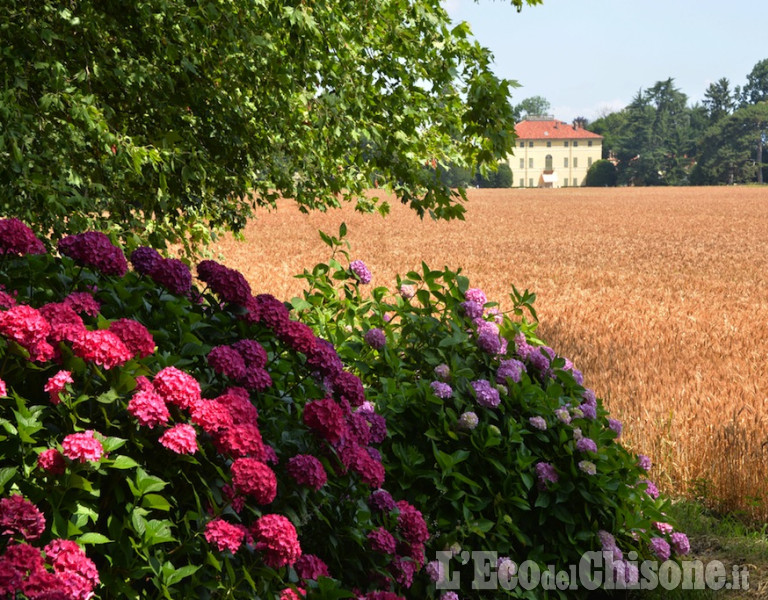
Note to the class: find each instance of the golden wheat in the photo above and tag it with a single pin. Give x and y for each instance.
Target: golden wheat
(659, 295)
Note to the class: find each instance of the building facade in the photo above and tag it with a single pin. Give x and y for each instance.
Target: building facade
(551, 153)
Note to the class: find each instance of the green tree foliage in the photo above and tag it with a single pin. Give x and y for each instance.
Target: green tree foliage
(162, 121)
(500, 178)
(531, 107)
(756, 89)
(719, 101)
(602, 173)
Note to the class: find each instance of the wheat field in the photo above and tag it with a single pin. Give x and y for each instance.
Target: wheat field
(658, 295)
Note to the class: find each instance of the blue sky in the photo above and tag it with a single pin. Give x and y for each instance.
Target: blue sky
(592, 56)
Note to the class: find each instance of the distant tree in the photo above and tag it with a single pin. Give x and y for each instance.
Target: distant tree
(610, 127)
(602, 173)
(500, 178)
(756, 88)
(531, 107)
(719, 100)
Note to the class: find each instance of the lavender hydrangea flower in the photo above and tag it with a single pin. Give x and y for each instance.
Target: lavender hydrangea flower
(506, 568)
(522, 347)
(512, 368)
(488, 341)
(361, 271)
(468, 421)
(442, 372)
(450, 596)
(680, 543)
(588, 411)
(586, 445)
(476, 295)
(545, 473)
(616, 426)
(382, 501)
(486, 394)
(660, 548)
(587, 467)
(589, 397)
(651, 489)
(436, 571)
(563, 415)
(472, 309)
(538, 423)
(407, 291)
(441, 390)
(644, 462)
(375, 338)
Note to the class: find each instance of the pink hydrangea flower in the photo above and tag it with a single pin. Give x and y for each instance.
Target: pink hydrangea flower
(20, 516)
(57, 384)
(52, 461)
(225, 536)
(181, 439)
(3, 389)
(135, 336)
(103, 348)
(254, 478)
(277, 540)
(148, 408)
(82, 447)
(177, 387)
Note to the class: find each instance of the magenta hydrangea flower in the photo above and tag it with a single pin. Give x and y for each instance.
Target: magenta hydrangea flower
(254, 478)
(181, 439)
(230, 285)
(94, 249)
(57, 384)
(476, 295)
(511, 368)
(310, 567)
(277, 540)
(307, 470)
(359, 269)
(348, 387)
(148, 408)
(135, 336)
(83, 303)
(664, 528)
(680, 543)
(52, 461)
(382, 501)
(375, 338)
(83, 447)
(585, 444)
(177, 387)
(20, 516)
(144, 259)
(103, 348)
(227, 361)
(17, 238)
(650, 488)
(545, 473)
(172, 274)
(486, 394)
(224, 535)
(252, 352)
(382, 541)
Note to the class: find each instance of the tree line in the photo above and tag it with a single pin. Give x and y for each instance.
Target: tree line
(661, 139)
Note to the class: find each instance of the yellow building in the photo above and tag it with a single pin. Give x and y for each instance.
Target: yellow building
(552, 153)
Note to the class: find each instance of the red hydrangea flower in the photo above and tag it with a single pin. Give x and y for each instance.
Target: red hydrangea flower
(324, 359)
(148, 408)
(297, 336)
(57, 384)
(252, 352)
(307, 470)
(358, 428)
(172, 274)
(24, 559)
(403, 570)
(103, 348)
(83, 303)
(311, 567)
(6, 300)
(17, 238)
(238, 401)
(241, 440)
(135, 336)
(270, 311)
(359, 460)
(291, 594)
(347, 386)
(225, 536)
(227, 361)
(42, 585)
(177, 387)
(24, 325)
(19, 516)
(325, 418)
(82, 447)
(229, 284)
(382, 541)
(211, 415)
(52, 461)
(67, 556)
(276, 538)
(66, 324)
(3, 389)
(411, 523)
(181, 439)
(253, 477)
(93, 249)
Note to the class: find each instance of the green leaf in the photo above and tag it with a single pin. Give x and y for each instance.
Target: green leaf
(180, 573)
(93, 538)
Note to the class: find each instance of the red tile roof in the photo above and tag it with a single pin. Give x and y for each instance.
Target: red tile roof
(552, 130)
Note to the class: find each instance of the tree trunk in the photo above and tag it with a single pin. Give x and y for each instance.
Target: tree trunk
(760, 160)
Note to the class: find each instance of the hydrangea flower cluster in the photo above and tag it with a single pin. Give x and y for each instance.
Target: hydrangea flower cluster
(17, 238)
(94, 249)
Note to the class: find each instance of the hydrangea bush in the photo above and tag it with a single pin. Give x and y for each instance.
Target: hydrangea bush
(166, 438)
(492, 433)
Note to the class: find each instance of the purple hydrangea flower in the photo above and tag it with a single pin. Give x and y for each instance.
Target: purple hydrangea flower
(375, 338)
(441, 390)
(587, 467)
(486, 394)
(680, 543)
(541, 358)
(144, 259)
(615, 425)
(488, 341)
(511, 368)
(660, 548)
(472, 309)
(588, 411)
(644, 462)
(589, 397)
(545, 473)
(407, 291)
(382, 500)
(538, 423)
(450, 596)
(172, 274)
(586, 445)
(563, 415)
(468, 421)
(651, 489)
(436, 571)
(522, 347)
(476, 295)
(607, 541)
(94, 249)
(361, 271)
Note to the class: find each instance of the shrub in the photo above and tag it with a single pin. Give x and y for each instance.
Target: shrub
(163, 440)
(492, 434)
(602, 173)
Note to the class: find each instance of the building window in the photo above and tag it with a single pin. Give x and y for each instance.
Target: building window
(522, 163)
(575, 162)
(589, 143)
(589, 161)
(565, 162)
(575, 143)
(549, 144)
(565, 182)
(565, 144)
(530, 144)
(522, 144)
(548, 163)
(530, 163)
(522, 182)
(530, 182)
